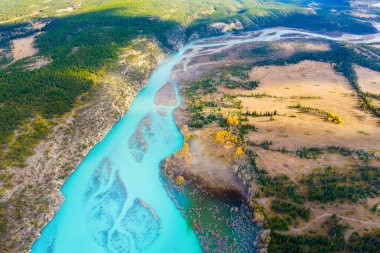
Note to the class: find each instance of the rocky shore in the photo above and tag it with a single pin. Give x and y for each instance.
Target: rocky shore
(202, 174)
(216, 199)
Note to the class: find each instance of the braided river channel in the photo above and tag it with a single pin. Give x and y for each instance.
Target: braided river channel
(115, 200)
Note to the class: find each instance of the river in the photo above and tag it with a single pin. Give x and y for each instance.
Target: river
(115, 201)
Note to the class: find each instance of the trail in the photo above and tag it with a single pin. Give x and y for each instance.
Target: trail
(331, 214)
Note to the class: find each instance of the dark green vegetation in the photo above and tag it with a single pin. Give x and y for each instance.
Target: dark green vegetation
(204, 112)
(326, 186)
(317, 152)
(309, 153)
(195, 106)
(277, 223)
(356, 184)
(259, 114)
(281, 187)
(334, 241)
(207, 85)
(291, 209)
(368, 242)
(51, 91)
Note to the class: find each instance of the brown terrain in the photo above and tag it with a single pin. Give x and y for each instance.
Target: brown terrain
(316, 85)
(308, 84)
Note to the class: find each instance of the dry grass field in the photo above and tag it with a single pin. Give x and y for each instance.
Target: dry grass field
(23, 48)
(285, 90)
(369, 80)
(316, 85)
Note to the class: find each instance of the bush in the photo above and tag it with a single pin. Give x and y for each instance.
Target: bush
(277, 223)
(294, 210)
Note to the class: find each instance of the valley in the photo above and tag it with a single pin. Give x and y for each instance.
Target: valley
(278, 108)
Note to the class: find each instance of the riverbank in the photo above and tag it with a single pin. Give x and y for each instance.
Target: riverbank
(206, 173)
(72, 137)
(242, 133)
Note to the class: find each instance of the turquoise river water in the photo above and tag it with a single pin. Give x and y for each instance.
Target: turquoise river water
(115, 201)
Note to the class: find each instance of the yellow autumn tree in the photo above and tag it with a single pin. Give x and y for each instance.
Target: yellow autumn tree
(232, 120)
(239, 152)
(185, 128)
(185, 149)
(189, 136)
(180, 180)
(236, 120)
(224, 136)
(334, 118)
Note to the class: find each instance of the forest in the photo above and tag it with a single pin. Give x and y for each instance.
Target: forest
(326, 186)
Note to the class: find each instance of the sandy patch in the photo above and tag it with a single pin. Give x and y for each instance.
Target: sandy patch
(207, 160)
(38, 63)
(326, 90)
(293, 47)
(375, 102)
(368, 79)
(38, 25)
(68, 9)
(74, 50)
(212, 161)
(166, 96)
(24, 47)
(277, 163)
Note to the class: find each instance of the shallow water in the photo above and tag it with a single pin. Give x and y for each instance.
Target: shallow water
(115, 201)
